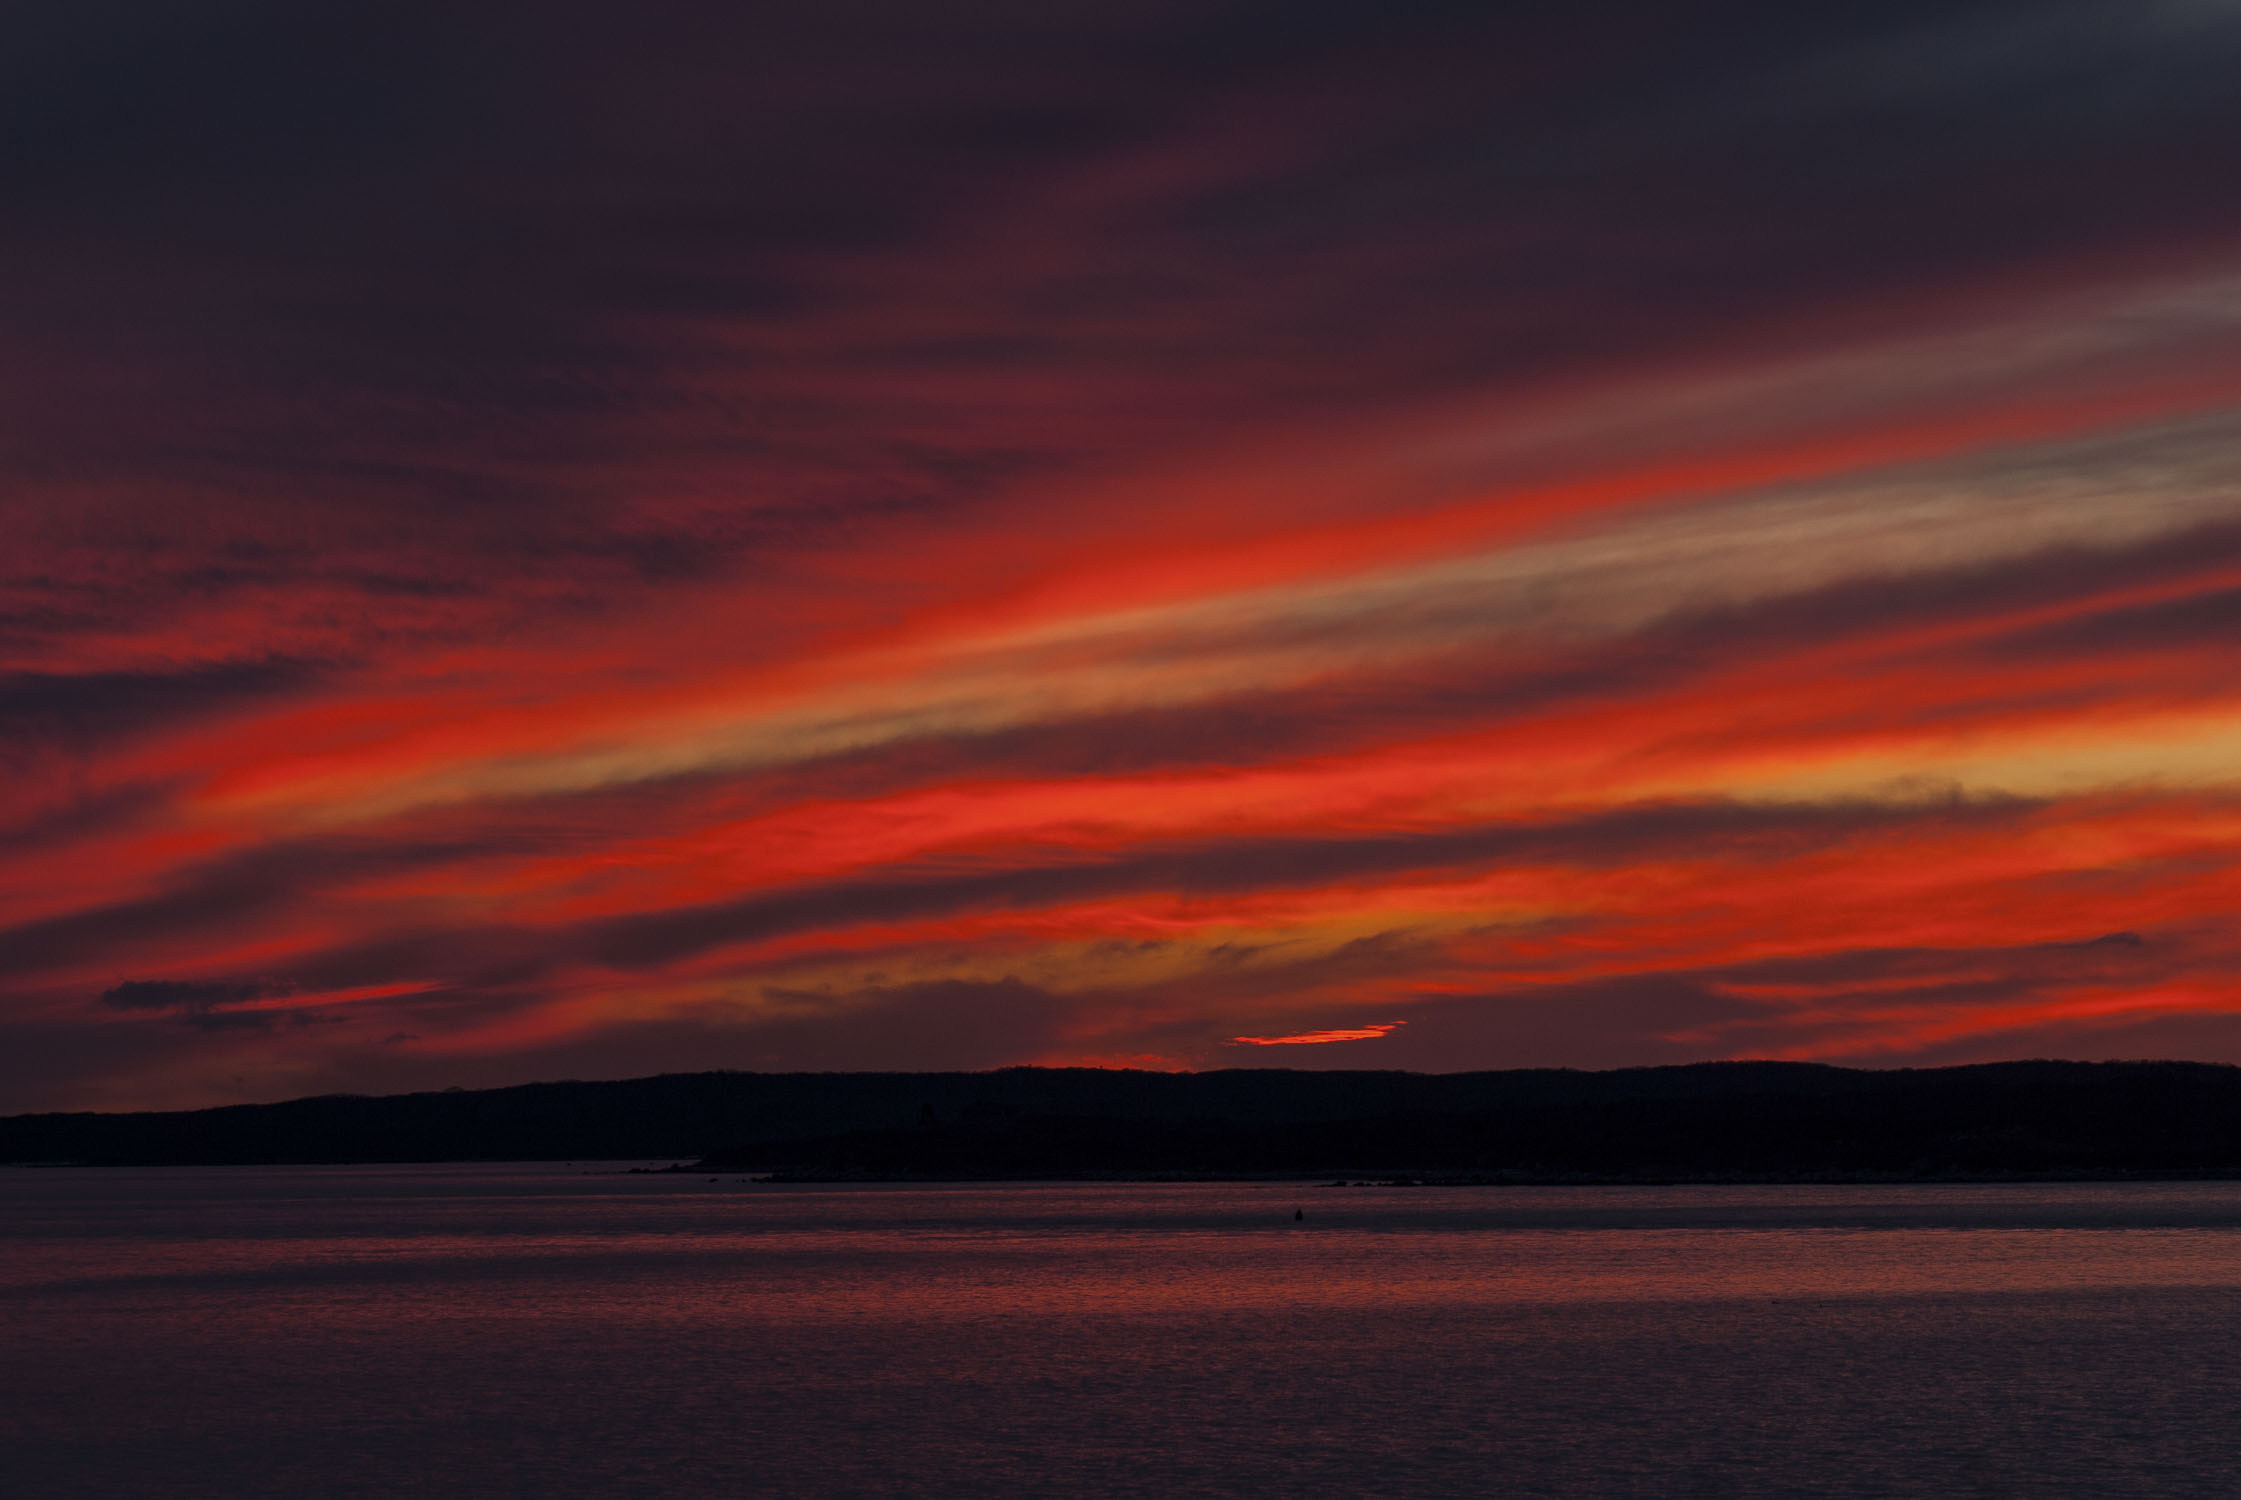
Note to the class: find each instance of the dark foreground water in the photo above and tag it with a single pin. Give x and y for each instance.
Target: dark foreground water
(533, 1331)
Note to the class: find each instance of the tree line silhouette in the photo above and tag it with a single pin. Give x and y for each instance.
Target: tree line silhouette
(1711, 1121)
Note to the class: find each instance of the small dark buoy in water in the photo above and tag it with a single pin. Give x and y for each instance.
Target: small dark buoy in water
(1298, 1214)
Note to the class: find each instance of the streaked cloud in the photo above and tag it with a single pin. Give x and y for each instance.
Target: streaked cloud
(812, 538)
(1318, 1038)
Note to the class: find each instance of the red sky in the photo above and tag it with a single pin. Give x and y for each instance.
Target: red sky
(546, 543)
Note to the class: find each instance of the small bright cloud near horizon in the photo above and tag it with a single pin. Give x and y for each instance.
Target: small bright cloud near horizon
(809, 537)
(1317, 1038)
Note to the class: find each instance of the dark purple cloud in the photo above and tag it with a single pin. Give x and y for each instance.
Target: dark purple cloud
(405, 400)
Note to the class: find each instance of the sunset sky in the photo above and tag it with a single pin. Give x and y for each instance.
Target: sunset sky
(552, 540)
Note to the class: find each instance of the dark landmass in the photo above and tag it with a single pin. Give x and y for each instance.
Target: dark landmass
(1747, 1121)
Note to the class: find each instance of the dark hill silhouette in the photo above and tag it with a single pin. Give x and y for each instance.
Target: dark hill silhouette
(1706, 1121)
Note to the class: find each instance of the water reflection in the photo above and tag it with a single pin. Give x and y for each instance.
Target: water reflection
(575, 1331)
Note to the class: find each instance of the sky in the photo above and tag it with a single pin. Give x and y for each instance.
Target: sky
(573, 540)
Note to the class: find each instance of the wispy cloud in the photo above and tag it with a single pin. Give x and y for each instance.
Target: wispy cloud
(1139, 534)
(1318, 1038)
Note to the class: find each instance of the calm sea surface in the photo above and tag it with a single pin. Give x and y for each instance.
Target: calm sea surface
(537, 1331)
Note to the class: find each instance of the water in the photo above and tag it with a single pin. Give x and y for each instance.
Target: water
(535, 1331)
